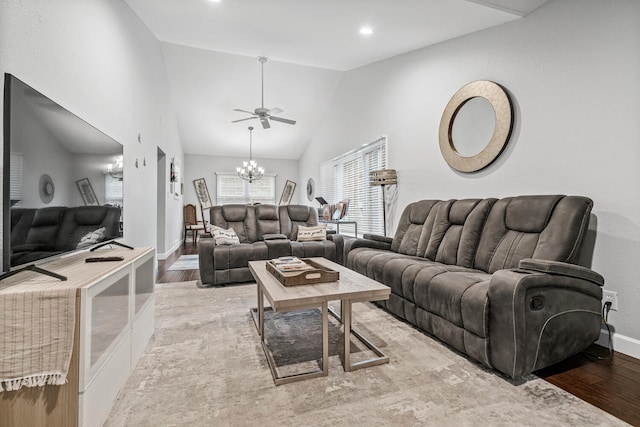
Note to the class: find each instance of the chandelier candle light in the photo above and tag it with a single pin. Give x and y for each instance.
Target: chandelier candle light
(250, 171)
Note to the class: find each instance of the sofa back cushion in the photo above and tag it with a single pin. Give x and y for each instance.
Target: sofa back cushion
(45, 226)
(242, 218)
(267, 220)
(292, 216)
(414, 228)
(456, 231)
(21, 220)
(543, 227)
(79, 221)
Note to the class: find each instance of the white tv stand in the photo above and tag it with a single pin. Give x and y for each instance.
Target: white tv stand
(114, 322)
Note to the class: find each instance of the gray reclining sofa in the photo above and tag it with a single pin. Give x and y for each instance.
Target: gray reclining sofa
(265, 232)
(494, 279)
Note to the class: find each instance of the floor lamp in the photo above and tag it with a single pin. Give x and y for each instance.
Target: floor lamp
(383, 177)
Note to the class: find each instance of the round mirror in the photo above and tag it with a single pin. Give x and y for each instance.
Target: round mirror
(473, 126)
(486, 118)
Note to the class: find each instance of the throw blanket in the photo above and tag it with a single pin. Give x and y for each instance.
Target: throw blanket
(36, 334)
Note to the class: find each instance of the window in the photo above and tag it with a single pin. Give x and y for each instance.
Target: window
(230, 188)
(347, 177)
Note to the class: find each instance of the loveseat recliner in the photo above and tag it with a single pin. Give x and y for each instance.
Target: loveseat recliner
(264, 232)
(494, 279)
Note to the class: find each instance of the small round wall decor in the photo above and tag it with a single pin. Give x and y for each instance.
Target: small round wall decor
(46, 189)
(311, 189)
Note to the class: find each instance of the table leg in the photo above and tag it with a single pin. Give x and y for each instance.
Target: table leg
(325, 338)
(345, 312)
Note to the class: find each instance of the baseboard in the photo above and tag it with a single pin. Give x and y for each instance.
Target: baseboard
(167, 254)
(621, 343)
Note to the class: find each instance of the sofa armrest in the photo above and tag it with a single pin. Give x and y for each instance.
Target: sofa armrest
(378, 238)
(538, 318)
(274, 237)
(561, 268)
(206, 261)
(338, 239)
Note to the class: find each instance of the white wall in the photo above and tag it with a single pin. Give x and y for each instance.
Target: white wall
(99, 61)
(573, 70)
(198, 166)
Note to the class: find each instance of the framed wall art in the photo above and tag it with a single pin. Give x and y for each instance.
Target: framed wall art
(203, 193)
(87, 193)
(287, 193)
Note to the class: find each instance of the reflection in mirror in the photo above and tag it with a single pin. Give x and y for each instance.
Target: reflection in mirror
(64, 190)
(473, 126)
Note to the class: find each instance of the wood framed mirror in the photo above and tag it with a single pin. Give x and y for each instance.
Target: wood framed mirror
(469, 139)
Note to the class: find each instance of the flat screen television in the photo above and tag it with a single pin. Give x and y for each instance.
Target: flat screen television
(62, 180)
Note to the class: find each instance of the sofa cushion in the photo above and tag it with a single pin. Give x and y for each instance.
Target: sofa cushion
(267, 220)
(414, 228)
(310, 234)
(553, 230)
(238, 256)
(325, 249)
(292, 216)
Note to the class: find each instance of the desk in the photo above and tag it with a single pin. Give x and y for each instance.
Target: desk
(338, 222)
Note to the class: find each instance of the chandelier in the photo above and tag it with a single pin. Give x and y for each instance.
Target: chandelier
(250, 170)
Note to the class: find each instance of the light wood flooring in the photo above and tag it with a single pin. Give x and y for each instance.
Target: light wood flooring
(611, 385)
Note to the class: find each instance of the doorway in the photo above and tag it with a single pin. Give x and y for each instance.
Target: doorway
(161, 205)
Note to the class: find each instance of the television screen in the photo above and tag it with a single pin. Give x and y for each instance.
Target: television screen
(62, 179)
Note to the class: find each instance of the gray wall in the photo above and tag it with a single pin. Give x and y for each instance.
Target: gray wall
(573, 69)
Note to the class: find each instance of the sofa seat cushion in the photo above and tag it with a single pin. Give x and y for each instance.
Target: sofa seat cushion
(324, 248)
(236, 256)
(456, 294)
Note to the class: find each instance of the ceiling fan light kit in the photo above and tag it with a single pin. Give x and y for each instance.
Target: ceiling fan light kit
(262, 113)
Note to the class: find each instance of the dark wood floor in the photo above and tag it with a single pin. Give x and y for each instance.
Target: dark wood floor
(612, 385)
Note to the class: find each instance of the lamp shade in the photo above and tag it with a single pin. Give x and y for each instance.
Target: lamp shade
(383, 177)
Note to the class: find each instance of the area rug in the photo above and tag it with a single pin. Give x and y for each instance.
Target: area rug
(205, 367)
(185, 262)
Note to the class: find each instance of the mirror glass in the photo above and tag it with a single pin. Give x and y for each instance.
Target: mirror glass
(473, 126)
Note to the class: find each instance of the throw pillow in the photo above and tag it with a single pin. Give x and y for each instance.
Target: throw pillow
(225, 237)
(91, 238)
(311, 234)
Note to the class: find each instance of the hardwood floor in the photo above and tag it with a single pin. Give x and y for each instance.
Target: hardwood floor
(612, 385)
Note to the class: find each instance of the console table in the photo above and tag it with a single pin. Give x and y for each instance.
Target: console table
(337, 222)
(114, 320)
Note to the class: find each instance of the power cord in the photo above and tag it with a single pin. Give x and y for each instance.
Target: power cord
(606, 308)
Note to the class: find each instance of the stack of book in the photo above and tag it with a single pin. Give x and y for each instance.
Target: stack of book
(290, 263)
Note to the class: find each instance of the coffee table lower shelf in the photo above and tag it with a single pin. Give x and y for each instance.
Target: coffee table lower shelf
(343, 317)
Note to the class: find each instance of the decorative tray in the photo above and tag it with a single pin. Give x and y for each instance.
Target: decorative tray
(312, 273)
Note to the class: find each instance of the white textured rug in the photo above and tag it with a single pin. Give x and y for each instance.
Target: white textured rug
(185, 262)
(205, 367)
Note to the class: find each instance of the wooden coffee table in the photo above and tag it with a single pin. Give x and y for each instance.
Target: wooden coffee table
(352, 287)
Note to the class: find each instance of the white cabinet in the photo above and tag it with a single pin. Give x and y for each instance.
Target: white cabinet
(113, 324)
(116, 323)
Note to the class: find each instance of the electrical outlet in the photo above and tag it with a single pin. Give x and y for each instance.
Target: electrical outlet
(612, 297)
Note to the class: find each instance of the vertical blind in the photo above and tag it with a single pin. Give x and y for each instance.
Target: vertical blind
(347, 177)
(230, 188)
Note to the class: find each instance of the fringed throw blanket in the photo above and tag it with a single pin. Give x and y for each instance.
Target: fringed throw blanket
(36, 335)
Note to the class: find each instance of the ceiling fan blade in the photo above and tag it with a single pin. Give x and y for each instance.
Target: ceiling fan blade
(265, 123)
(244, 111)
(242, 120)
(275, 111)
(280, 119)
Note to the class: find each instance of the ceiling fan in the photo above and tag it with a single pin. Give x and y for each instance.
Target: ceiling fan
(264, 114)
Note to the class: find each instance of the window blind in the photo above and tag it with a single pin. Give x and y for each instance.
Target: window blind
(15, 178)
(230, 188)
(347, 177)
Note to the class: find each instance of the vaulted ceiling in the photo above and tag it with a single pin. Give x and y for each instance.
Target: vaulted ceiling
(211, 49)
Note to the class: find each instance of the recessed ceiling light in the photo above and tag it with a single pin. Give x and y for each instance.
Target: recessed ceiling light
(214, 1)
(367, 31)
